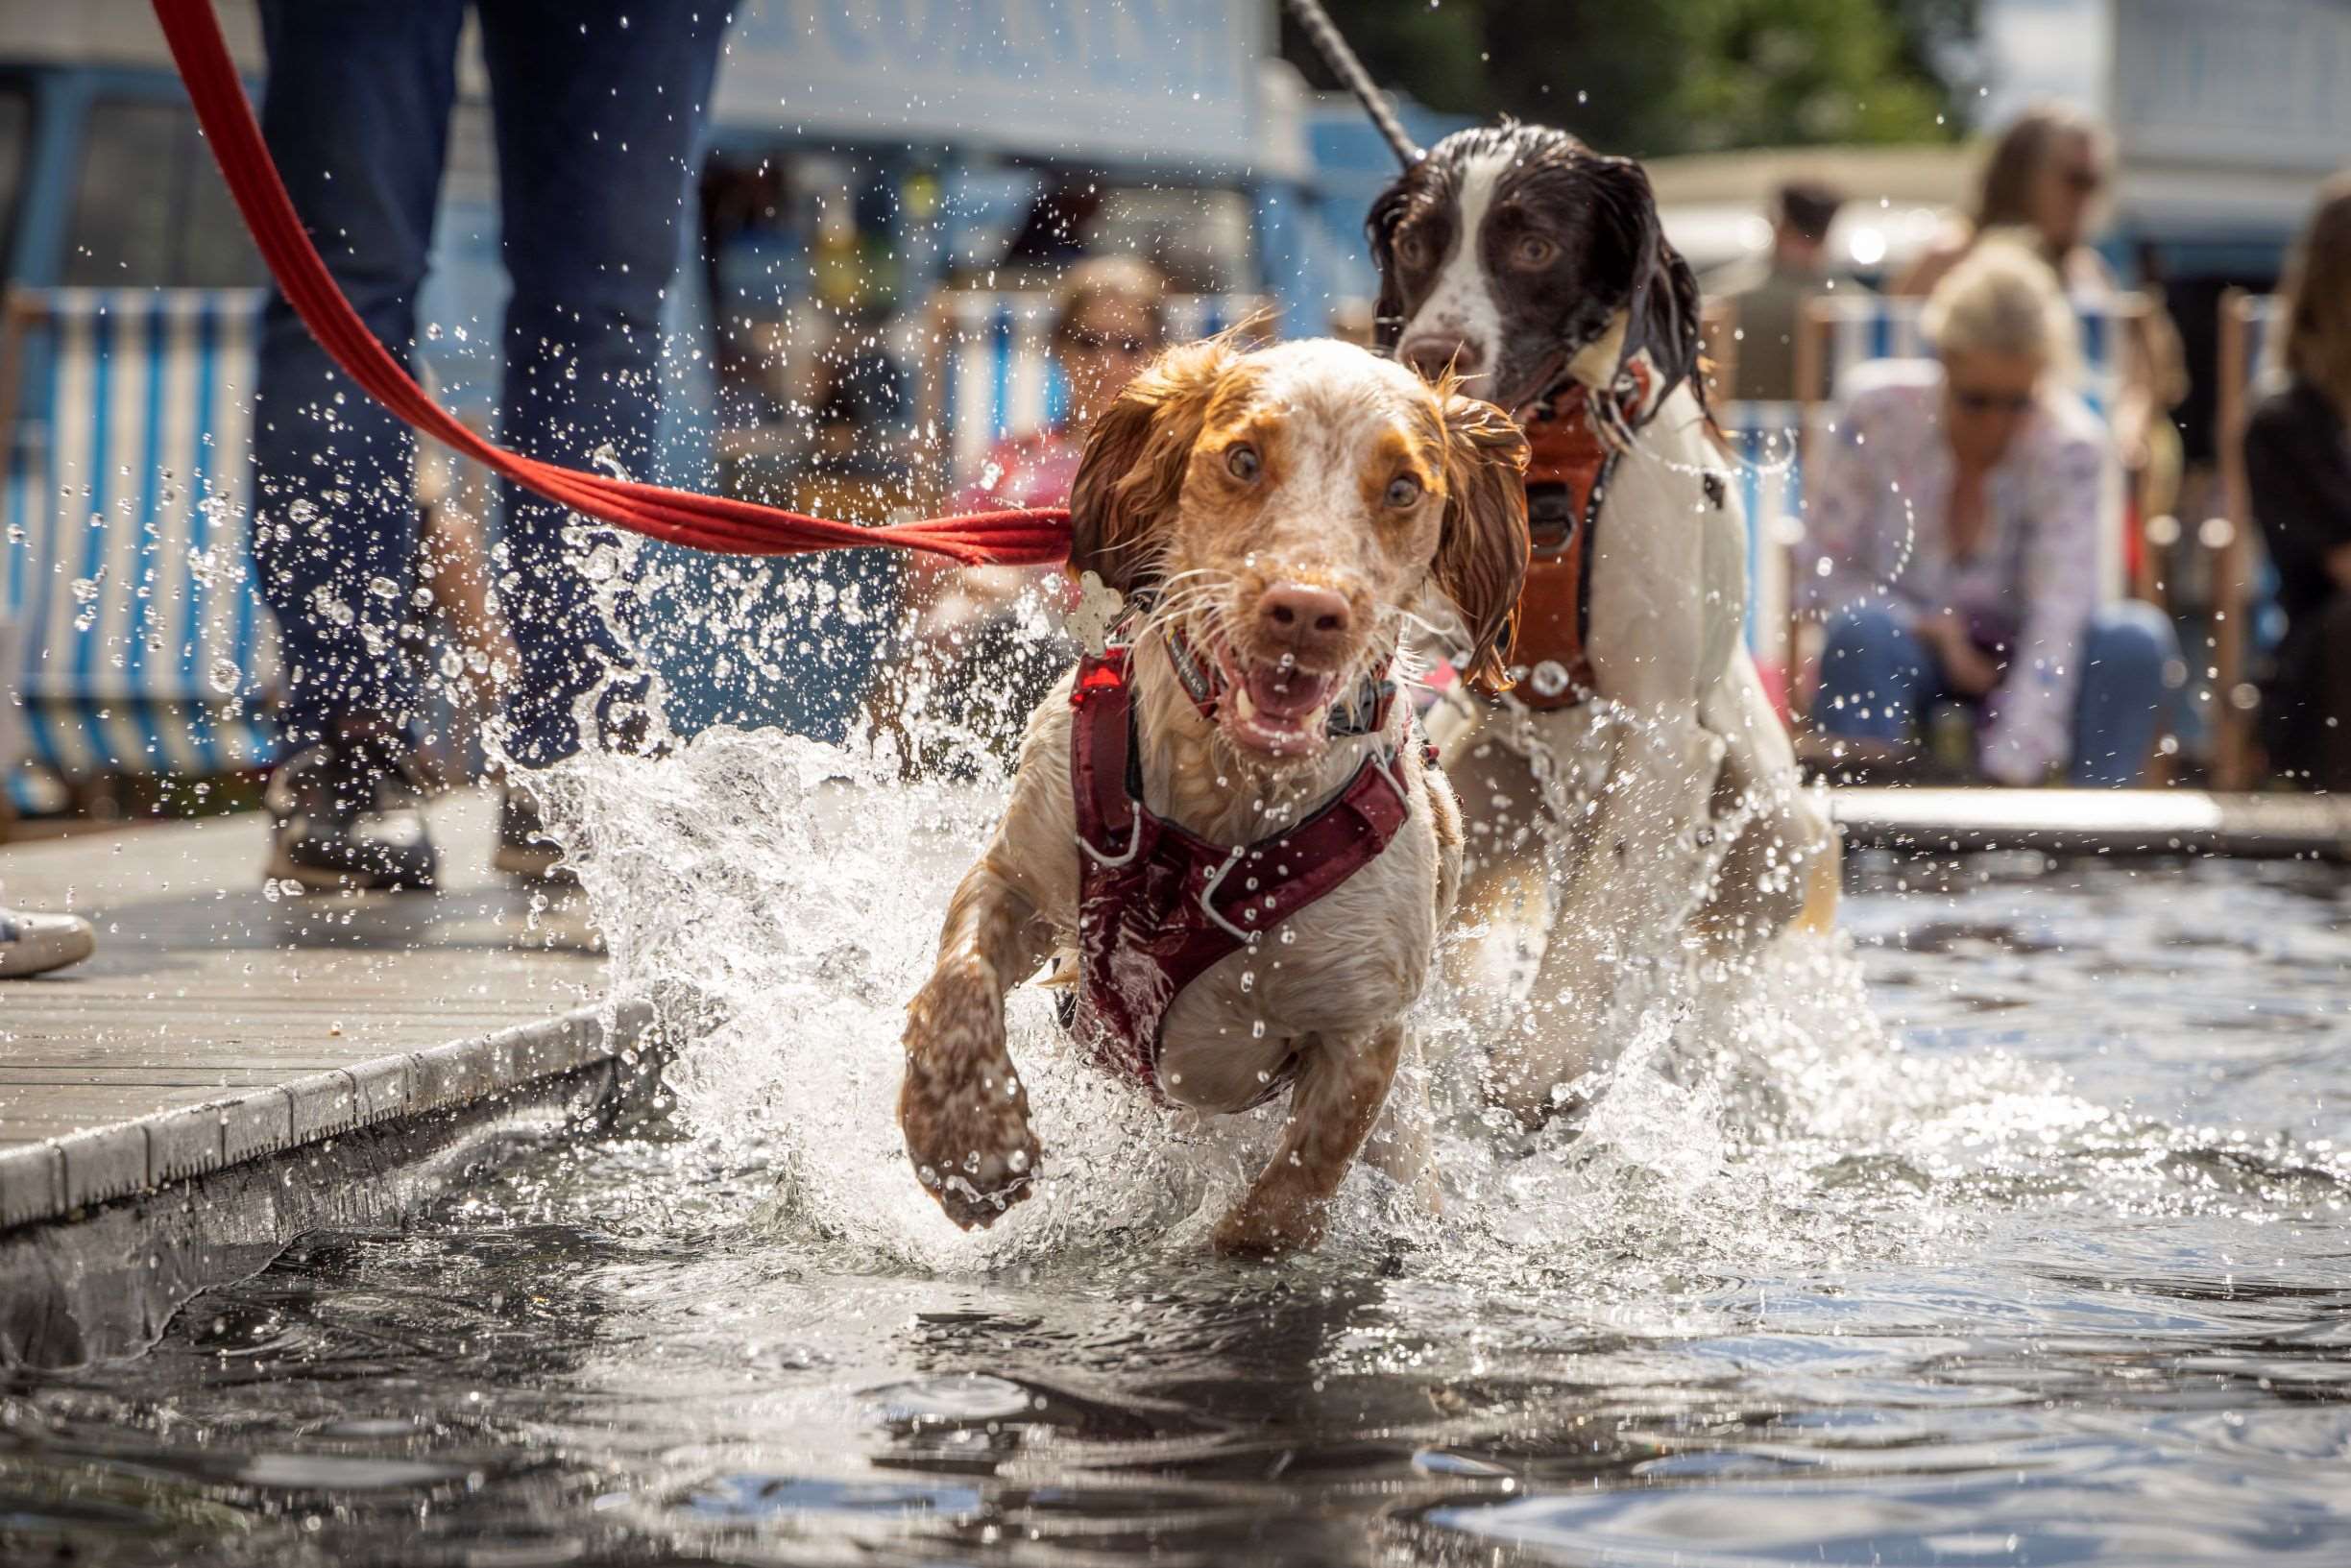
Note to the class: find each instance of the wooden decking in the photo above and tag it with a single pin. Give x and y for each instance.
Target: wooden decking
(216, 1023)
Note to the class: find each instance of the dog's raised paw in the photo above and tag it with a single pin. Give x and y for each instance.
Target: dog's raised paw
(978, 1156)
(963, 1109)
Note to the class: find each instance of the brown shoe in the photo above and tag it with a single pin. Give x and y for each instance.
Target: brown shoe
(524, 850)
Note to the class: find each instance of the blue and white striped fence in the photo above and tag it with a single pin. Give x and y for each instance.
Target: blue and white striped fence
(1767, 451)
(142, 647)
(1849, 329)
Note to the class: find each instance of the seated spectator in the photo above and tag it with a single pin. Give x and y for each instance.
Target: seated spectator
(992, 634)
(2297, 457)
(2043, 182)
(1954, 541)
(1770, 291)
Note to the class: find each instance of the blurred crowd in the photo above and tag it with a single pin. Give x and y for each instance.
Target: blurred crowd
(1955, 510)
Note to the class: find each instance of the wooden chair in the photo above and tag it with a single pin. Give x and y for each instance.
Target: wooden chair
(2245, 322)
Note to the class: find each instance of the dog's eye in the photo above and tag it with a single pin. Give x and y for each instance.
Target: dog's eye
(1403, 491)
(1412, 250)
(1534, 251)
(1242, 462)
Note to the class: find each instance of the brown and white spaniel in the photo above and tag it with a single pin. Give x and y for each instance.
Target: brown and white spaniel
(1235, 764)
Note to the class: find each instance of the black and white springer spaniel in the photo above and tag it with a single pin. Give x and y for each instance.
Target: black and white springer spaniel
(1636, 787)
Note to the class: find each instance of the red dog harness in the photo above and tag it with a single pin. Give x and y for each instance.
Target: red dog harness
(1158, 906)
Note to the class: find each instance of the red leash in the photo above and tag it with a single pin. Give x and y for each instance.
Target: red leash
(705, 523)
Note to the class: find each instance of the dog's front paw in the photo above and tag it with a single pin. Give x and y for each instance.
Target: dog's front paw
(963, 1108)
(1259, 1227)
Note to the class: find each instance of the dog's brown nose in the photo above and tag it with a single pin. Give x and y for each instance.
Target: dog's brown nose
(1437, 353)
(1301, 617)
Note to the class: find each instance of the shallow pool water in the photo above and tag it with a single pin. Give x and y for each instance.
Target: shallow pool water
(2035, 1255)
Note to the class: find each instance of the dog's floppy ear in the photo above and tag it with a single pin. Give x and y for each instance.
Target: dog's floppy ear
(1661, 307)
(1379, 227)
(1131, 474)
(1481, 553)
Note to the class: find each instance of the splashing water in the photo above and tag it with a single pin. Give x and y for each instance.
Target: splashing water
(2028, 1250)
(780, 899)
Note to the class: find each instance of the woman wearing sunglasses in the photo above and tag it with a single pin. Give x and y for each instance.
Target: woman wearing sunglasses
(1953, 545)
(991, 640)
(2043, 183)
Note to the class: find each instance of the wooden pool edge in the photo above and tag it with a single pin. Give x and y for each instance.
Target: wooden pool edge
(53, 1179)
(2116, 823)
(111, 1230)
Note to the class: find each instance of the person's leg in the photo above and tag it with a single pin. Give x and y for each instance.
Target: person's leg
(598, 105)
(2121, 701)
(2331, 769)
(356, 112)
(1874, 674)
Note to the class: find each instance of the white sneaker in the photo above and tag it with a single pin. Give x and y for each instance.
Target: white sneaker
(36, 944)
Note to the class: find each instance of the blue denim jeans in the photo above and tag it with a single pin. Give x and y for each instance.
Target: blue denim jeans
(596, 105)
(1876, 677)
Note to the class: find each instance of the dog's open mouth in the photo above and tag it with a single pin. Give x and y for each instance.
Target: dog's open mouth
(1275, 707)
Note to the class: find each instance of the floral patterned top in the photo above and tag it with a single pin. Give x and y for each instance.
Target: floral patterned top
(1878, 494)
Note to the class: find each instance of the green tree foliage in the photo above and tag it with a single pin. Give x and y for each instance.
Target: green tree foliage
(1651, 77)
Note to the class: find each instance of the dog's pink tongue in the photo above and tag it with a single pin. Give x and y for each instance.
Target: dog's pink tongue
(1285, 696)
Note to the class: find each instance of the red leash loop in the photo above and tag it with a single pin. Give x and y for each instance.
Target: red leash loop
(1024, 538)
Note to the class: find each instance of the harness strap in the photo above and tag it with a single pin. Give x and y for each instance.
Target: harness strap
(1157, 904)
(1102, 755)
(1266, 882)
(1567, 480)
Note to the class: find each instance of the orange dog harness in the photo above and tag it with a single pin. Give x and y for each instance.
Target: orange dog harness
(1570, 463)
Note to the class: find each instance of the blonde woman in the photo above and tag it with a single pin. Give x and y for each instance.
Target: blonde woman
(2043, 184)
(1953, 544)
(2298, 453)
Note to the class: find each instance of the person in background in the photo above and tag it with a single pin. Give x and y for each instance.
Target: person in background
(2297, 460)
(2044, 175)
(992, 637)
(1953, 546)
(2044, 178)
(1770, 291)
(596, 107)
